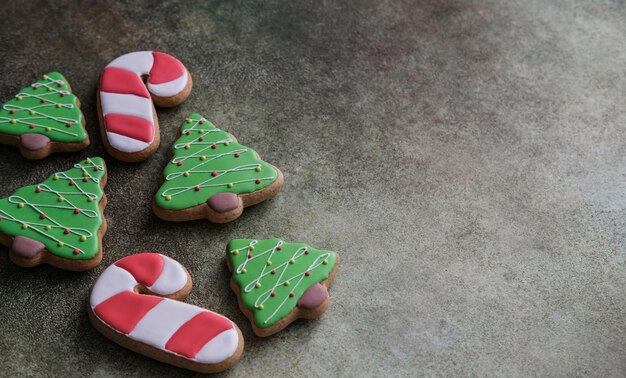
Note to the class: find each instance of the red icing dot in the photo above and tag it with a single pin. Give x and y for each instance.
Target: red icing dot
(279, 248)
(36, 87)
(42, 216)
(257, 181)
(96, 168)
(69, 124)
(12, 111)
(1, 217)
(273, 294)
(38, 190)
(201, 139)
(76, 211)
(249, 255)
(59, 85)
(197, 188)
(76, 251)
(306, 252)
(273, 271)
(201, 122)
(179, 163)
(214, 146)
(214, 173)
(292, 295)
(71, 182)
(62, 94)
(307, 273)
(43, 100)
(32, 126)
(67, 231)
(187, 133)
(85, 179)
(237, 155)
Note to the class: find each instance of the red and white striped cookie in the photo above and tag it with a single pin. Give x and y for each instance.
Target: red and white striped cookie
(127, 305)
(128, 121)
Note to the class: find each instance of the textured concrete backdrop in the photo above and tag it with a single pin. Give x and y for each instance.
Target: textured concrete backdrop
(466, 158)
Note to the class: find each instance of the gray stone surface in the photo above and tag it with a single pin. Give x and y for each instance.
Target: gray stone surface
(466, 158)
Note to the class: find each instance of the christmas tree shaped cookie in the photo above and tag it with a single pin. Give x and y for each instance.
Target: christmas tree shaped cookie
(59, 221)
(212, 176)
(44, 118)
(278, 282)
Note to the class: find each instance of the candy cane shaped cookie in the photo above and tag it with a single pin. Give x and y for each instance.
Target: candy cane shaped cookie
(128, 121)
(135, 303)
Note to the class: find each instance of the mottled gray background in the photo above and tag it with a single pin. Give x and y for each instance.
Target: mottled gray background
(466, 158)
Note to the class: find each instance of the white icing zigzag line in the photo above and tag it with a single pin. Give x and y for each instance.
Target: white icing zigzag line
(78, 231)
(174, 175)
(204, 184)
(280, 282)
(199, 153)
(50, 103)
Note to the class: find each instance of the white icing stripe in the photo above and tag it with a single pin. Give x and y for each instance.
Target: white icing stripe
(160, 323)
(219, 348)
(128, 104)
(171, 88)
(139, 62)
(125, 144)
(113, 280)
(172, 279)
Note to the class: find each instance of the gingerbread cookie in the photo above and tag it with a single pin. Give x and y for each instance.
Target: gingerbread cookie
(44, 118)
(128, 121)
(59, 221)
(136, 303)
(212, 176)
(278, 282)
